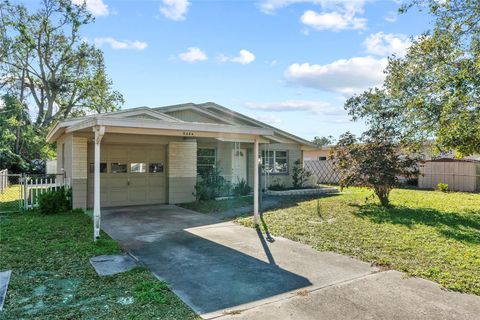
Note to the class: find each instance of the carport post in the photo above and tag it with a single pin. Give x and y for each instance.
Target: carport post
(99, 132)
(255, 181)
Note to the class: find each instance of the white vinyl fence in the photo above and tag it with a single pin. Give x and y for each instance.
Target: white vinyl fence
(34, 186)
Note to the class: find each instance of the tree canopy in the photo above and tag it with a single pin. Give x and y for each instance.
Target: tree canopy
(380, 156)
(323, 141)
(434, 90)
(50, 70)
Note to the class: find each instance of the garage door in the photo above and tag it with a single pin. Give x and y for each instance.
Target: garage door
(130, 175)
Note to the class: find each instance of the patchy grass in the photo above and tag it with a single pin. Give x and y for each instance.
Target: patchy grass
(212, 206)
(53, 279)
(428, 234)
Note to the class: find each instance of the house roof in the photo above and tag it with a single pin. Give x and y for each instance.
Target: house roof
(211, 108)
(159, 118)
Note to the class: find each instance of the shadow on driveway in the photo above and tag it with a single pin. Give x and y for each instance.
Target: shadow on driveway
(208, 275)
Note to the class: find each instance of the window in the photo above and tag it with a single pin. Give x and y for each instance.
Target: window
(206, 159)
(322, 158)
(116, 167)
(275, 161)
(155, 168)
(103, 167)
(138, 167)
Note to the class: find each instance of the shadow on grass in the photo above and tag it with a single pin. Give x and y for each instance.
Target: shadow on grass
(9, 206)
(463, 226)
(290, 201)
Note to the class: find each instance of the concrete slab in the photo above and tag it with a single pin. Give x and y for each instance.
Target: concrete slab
(4, 280)
(113, 264)
(215, 266)
(385, 295)
(225, 270)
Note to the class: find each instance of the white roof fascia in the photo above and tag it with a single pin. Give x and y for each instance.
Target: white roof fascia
(166, 125)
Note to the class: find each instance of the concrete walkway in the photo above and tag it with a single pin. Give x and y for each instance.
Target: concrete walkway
(225, 270)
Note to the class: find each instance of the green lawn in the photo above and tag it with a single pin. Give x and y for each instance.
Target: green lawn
(428, 234)
(213, 206)
(53, 279)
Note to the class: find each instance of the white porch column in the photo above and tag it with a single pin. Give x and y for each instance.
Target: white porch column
(255, 182)
(99, 132)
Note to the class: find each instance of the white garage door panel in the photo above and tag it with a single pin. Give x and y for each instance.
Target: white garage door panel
(120, 189)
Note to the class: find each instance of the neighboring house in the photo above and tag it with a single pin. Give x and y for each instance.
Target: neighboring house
(322, 153)
(153, 155)
(319, 153)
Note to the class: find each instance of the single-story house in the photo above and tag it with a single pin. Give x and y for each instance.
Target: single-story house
(153, 155)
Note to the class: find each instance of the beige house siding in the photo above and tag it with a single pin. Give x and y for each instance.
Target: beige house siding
(72, 158)
(182, 171)
(79, 172)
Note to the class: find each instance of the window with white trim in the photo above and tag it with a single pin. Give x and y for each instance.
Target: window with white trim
(275, 161)
(206, 160)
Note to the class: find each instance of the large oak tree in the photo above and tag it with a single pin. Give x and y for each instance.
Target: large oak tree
(44, 59)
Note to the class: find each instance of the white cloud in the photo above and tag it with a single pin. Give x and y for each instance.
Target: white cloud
(386, 44)
(121, 45)
(175, 9)
(333, 14)
(346, 76)
(193, 54)
(332, 21)
(95, 7)
(270, 6)
(391, 16)
(244, 57)
(268, 118)
(317, 107)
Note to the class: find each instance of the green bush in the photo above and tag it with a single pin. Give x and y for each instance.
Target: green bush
(55, 201)
(241, 188)
(211, 185)
(443, 187)
(277, 187)
(300, 175)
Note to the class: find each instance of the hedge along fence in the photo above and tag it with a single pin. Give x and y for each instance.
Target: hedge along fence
(460, 175)
(35, 185)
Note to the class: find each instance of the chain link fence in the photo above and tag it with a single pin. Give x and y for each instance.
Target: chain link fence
(11, 199)
(20, 192)
(323, 170)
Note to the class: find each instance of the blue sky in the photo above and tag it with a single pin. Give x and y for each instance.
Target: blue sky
(290, 63)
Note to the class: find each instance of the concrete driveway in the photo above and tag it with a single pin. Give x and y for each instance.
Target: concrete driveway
(221, 269)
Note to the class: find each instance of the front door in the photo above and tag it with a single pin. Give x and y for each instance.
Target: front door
(239, 165)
